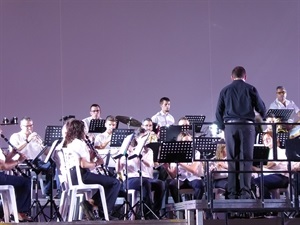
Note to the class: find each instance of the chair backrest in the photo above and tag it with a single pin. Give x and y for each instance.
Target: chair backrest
(72, 167)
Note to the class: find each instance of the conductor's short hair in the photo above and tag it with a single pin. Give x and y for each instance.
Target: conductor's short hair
(239, 72)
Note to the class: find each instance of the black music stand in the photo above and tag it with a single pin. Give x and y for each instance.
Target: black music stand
(260, 155)
(175, 152)
(282, 137)
(207, 146)
(282, 114)
(124, 148)
(170, 133)
(50, 200)
(97, 126)
(196, 119)
(118, 135)
(52, 133)
(39, 210)
(141, 202)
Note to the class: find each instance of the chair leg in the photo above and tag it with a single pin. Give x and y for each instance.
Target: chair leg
(104, 205)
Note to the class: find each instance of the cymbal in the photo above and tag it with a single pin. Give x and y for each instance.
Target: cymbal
(129, 121)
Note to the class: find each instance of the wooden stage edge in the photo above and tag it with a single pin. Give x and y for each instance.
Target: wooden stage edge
(264, 221)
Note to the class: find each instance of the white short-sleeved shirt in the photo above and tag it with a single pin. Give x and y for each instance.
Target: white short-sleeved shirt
(31, 150)
(163, 119)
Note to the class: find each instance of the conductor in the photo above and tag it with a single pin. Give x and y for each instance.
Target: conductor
(235, 115)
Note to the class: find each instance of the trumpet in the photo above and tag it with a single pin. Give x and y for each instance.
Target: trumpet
(38, 139)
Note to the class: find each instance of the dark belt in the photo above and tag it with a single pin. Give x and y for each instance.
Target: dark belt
(239, 121)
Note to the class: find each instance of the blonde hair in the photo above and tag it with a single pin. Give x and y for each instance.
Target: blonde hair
(221, 148)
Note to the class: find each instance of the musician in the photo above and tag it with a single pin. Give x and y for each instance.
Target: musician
(30, 144)
(137, 146)
(74, 142)
(277, 179)
(183, 121)
(22, 185)
(147, 124)
(163, 117)
(189, 174)
(220, 179)
(102, 141)
(95, 113)
(282, 103)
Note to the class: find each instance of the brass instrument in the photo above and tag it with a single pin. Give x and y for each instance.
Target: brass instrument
(38, 139)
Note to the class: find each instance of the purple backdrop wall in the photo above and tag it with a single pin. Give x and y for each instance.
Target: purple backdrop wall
(59, 56)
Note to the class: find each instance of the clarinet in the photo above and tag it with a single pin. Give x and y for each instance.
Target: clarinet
(91, 147)
(26, 161)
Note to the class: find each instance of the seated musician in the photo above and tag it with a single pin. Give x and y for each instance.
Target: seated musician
(30, 144)
(189, 174)
(74, 142)
(22, 185)
(183, 121)
(220, 179)
(95, 114)
(276, 179)
(137, 146)
(102, 141)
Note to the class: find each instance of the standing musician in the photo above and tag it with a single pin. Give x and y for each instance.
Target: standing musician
(163, 117)
(282, 103)
(22, 185)
(74, 142)
(30, 144)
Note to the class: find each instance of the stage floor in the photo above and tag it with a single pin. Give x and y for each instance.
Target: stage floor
(273, 221)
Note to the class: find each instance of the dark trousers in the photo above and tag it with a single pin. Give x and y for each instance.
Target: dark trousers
(22, 187)
(158, 187)
(197, 185)
(272, 181)
(110, 184)
(48, 169)
(239, 146)
(135, 184)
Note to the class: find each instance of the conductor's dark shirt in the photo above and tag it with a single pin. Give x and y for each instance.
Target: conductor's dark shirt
(237, 101)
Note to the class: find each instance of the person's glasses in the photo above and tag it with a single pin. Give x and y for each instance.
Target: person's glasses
(281, 92)
(30, 125)
(97, 110)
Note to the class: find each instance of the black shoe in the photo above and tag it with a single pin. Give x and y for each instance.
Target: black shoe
(87, 209)
(245, 194)
(110, 217)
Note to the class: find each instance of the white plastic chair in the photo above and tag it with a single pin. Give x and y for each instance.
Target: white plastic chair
(8, 199)
(76, 186)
